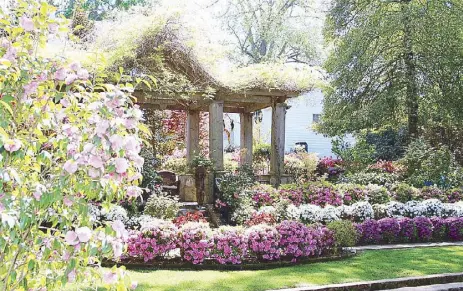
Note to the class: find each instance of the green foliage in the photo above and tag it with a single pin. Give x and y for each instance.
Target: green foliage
(97, 9)
(269, 31)
(345, 234)
(389, 144)
(232, 184)
(149, 173)
(393, 63)
(426, 165)
(300, 166)
(354, 157)
(161, 205)
(176, 165)
(261, 152)
(403, 192)
(365, 178)
(201, 161)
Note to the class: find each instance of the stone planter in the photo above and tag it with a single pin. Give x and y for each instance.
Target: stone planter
(187, 190)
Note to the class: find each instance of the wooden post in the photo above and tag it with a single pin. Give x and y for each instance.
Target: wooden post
(246, 139)
(216, 134)
(277, 153)
(192, 135)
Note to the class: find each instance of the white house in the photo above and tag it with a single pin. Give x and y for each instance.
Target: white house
(304, 111)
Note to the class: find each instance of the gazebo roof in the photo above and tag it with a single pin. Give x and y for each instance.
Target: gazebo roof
(156, 47)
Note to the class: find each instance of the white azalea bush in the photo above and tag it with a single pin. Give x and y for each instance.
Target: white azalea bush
(64, 141)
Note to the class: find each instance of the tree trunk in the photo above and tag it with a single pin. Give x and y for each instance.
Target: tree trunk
(410, 74)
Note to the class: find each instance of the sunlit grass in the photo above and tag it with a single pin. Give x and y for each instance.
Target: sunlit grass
(370, 265)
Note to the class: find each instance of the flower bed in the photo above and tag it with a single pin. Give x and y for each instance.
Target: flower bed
(418, 229)
(287, 241)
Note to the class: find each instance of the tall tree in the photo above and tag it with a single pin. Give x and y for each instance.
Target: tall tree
(273, 30)
(394, 62)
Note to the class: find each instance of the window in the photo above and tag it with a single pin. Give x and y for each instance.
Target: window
(316, 118)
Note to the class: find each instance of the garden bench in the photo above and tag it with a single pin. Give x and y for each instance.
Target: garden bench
(170, 182)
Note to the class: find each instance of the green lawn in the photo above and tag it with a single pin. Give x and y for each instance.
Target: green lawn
(370, 265)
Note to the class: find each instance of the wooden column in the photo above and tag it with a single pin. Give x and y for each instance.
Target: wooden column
(277, 153)
(246, 139)
(216, 134)
(192, 134)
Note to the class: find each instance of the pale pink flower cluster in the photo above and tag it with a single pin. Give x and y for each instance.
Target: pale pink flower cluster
(230, 245)
(195, 242)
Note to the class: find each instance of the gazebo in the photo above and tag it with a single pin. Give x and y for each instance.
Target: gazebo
(183, 82)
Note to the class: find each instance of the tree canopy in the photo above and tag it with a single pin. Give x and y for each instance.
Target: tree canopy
(394, 63)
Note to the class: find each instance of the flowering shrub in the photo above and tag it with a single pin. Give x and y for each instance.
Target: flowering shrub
(403, 192)
(369, 232)
(296, 240)
(362, 211)
(330, 166)
(439, 228)
(292, 212)
(377, 194)
(407, 229)
(432, 207)
(161, 205)
(153, 241)
(195, 242)
(352, 193)
(384, 166)
(263, 195)
(390, 229)
(264, 242)
(454, 195)
(309, 213)
(230, 245)
(261, 218)
(64, 140)
(116, 212)
(328, 214)
(293, 195)
(455, 228)
(321, 195)
(424, 228)
(196, 216)
(432, 192)
(300, 165)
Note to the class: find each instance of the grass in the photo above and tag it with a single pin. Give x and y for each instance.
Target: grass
(370, 265)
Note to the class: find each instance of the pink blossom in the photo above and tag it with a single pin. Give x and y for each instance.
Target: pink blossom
(134, 191)
(66, 256)
(102, 127)
(53, 27)
(129, 123)
(65, 102)
(30, 88)
(71, 238)
(136, 176)
(82, 74)
(110, 277)
(134, 285)
(60, 74)
(70, 79)
(12, 145)
(39, 189)
(26, 23)
(117, 248)
(75, 66)
(138, 161)
(118, 226)
(121, 165)
(72, 276)
(67, 202)
(131, 144)
(11, 54)
(94, 173)
(70, 166)
(116, 142)
(96, 162)
(84, 234)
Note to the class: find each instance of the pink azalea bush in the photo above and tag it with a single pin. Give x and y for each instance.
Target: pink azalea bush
(195, 242)
(154, 241)
(230, 245)
(264, 242)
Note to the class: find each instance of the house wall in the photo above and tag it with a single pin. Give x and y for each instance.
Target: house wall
(299, 121)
